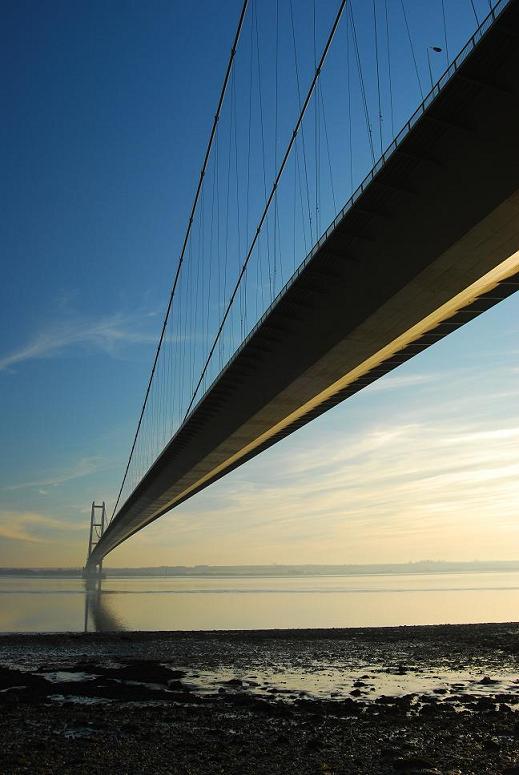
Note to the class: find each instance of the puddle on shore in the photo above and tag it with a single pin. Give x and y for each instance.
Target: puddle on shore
(368, 685)
(66, 676)
(460, 681)
(459, 689)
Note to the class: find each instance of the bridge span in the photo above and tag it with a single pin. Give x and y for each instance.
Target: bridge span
(429, 241)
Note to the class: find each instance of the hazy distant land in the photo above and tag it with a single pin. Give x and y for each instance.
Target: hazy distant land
(422, 566)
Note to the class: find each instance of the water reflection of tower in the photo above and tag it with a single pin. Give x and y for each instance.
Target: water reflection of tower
(97, 611)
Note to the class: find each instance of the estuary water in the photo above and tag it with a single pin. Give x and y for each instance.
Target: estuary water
(202, 603)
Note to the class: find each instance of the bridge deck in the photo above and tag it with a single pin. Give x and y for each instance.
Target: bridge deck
(428, 245)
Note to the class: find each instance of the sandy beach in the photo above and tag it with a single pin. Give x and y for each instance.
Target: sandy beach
(440, 699)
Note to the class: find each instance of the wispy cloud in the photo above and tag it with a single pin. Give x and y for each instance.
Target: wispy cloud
(84, 467)
(400, 491)
(106, 334)
(399, 381)
(32, 527)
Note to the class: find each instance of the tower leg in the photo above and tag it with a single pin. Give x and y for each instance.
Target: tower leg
(97, 527)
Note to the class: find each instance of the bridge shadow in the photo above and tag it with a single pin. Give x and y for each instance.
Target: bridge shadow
(98, 616)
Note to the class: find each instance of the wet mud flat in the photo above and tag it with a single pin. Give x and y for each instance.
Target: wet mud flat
(422, 700)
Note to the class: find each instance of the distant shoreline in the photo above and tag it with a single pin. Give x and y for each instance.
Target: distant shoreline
(276, 571)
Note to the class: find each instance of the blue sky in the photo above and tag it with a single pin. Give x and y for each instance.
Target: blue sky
(107, 112)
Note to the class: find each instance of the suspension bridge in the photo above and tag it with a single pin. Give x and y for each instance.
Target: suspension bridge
(271, 319)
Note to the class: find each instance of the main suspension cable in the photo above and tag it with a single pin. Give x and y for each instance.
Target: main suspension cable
(186, 239)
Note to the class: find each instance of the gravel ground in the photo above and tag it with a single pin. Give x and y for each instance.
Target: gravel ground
(422, 700)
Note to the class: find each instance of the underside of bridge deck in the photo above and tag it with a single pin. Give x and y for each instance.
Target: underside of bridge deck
(431, 243)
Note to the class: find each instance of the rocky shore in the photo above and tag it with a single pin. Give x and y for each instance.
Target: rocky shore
(423, 700)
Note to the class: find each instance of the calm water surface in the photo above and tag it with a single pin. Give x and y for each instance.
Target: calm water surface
(167, 603)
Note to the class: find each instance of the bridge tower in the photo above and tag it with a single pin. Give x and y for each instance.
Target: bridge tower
(97, 527)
